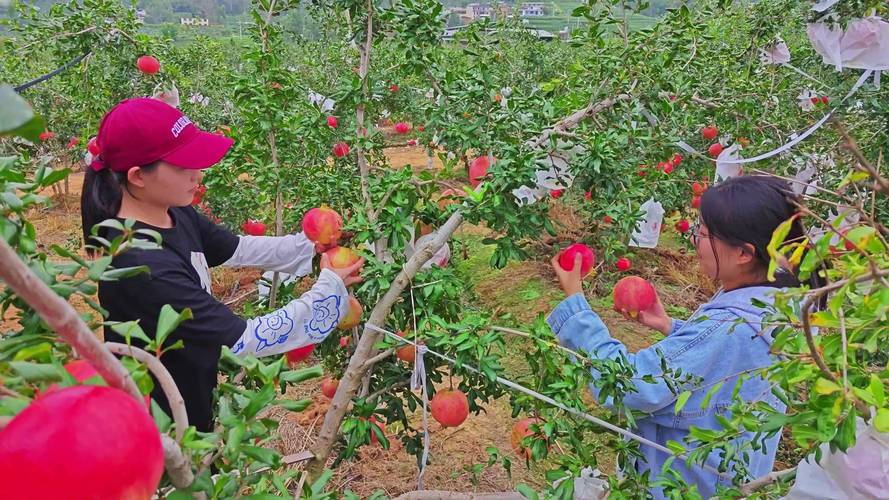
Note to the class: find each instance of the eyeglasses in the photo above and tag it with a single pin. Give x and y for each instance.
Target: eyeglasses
(695, 234)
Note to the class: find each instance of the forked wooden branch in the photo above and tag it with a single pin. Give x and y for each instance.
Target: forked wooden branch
(168, 385)
(64, 320)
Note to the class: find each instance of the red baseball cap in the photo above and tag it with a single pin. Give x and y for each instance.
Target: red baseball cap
(144, 130)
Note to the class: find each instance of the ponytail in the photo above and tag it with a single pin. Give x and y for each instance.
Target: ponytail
(101, 197)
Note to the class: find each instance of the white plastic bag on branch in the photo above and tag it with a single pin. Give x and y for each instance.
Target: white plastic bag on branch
(777, 53)
(863, 45)
(726, 169)
(587, 486)
(860, 473)
(169, 96)
(806, 168)
(554, 172)
(323, 102)
(648, 230)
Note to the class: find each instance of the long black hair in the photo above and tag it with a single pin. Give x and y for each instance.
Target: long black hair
(746, 210)
(101, 197)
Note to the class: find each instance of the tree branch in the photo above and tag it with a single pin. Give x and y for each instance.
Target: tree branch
(365, 349)
(168, 385)
(571, 121)
(176, 463)
(62, 318)
(880, 183)
(397, 385)
(772, 477)
(376, 359)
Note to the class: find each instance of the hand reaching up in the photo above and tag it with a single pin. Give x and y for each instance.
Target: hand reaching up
(350, 275)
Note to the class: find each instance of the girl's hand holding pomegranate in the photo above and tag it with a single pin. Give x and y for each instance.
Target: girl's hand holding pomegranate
(655, 317)
(569, 280)
(345, 273)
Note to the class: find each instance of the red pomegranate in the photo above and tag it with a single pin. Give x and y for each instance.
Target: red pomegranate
(520, 430)
(709, 133)
(402, 128)
(353, 317)
(253, 227)
(478, 169)
(332, 122)
(406, 353)
(449, 408)
(633, 294)
(340, 149)
(715, 149)
(342, 257)
(328, 387)
(588, 258)
(81, 442)
(323, 225)
(148, 65)
(299, 354)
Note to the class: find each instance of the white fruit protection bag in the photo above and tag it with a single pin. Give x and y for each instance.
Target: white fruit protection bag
(860, 473)
(648, 230)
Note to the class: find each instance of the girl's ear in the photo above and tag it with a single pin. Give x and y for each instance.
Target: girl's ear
(746, 254)
(136, 177)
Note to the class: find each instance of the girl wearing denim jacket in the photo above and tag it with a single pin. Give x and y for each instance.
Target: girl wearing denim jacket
(723, 338)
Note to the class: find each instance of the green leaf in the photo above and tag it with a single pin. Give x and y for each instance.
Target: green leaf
(98, 267)
(681, 400)
(713, 390)
(161, 419)
(17, 117)
(129, 329)
(294, 405)
(259, 401)
(36, 372)
(168, 320)
(234, 439)
(319, 485)
(881, 420)
(675, 446)
(824, 386)
(778, 237)
(877, 390)
(297, 376)
(527, 491)
(263, 455)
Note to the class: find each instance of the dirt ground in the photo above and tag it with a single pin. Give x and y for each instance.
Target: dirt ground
(518, 294)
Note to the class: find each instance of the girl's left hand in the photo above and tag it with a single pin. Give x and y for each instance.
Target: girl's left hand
(570, 281)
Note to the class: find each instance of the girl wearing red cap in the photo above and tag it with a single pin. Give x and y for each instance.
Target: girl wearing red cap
(148, 167)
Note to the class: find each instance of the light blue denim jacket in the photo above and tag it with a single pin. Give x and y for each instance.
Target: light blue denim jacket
(714, 345)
